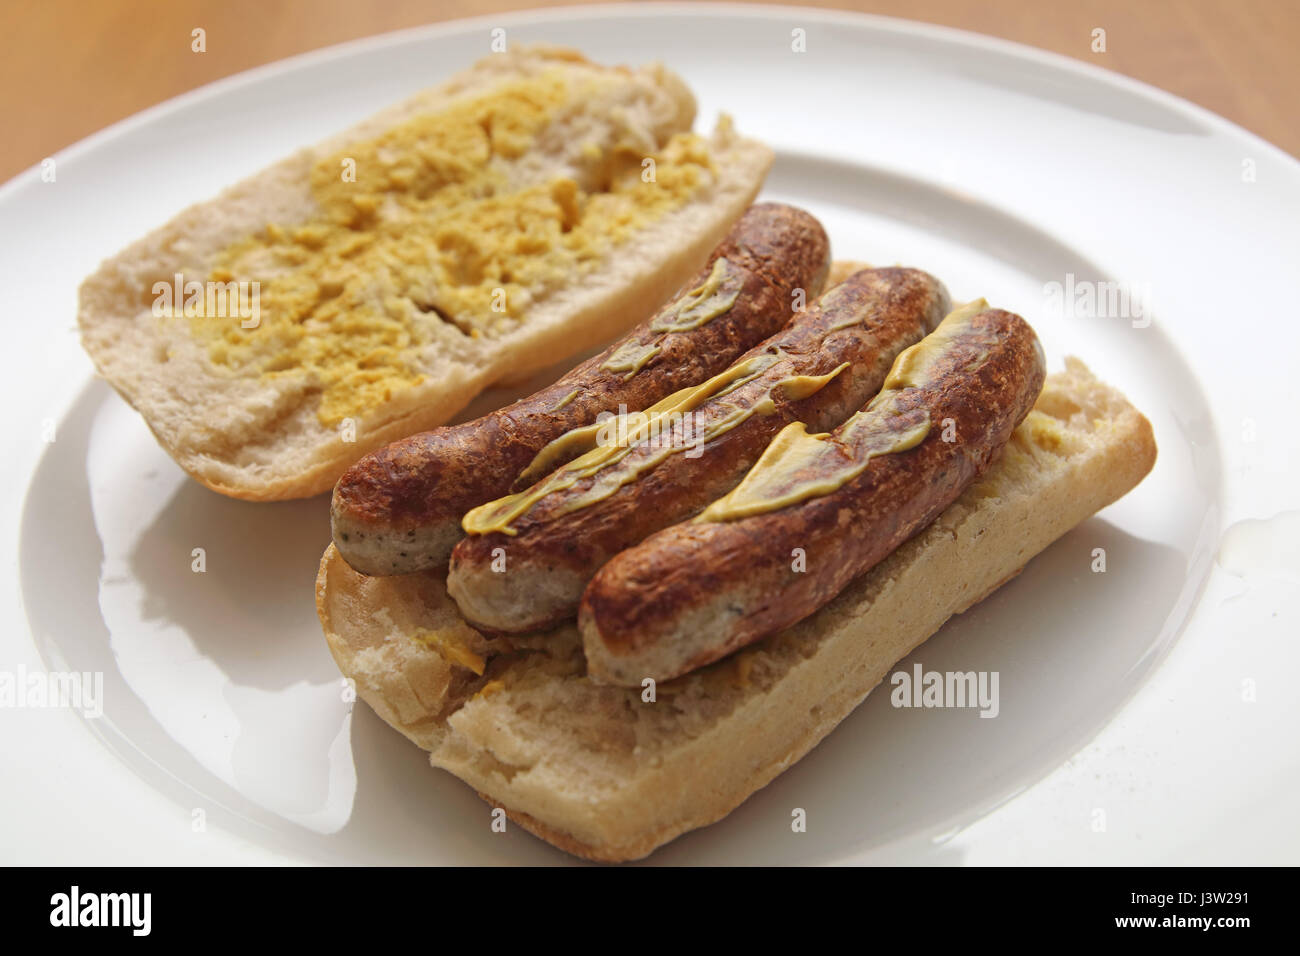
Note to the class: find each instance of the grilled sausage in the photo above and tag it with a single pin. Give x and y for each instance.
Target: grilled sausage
(529, 556)
(844, 501)
(398, 509)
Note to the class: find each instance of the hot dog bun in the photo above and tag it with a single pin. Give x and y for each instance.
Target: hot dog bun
(596, 772)
(378, 306)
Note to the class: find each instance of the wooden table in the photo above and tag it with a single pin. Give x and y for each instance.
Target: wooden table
(74, 66)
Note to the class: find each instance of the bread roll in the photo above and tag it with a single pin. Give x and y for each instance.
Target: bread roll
(369, 287)
(601, 774)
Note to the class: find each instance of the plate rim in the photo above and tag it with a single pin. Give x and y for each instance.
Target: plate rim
(604, 12)
(611, 11)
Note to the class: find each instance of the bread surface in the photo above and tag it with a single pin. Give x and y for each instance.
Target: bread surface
(602, 774)
(268, 435)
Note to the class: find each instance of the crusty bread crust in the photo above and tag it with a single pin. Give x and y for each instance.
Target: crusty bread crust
(601, 774)
(261, 439)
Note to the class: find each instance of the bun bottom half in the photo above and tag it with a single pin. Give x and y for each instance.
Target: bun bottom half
(601, 773)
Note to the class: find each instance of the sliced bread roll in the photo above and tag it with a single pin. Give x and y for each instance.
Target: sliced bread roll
(369, 287)
(599, 773)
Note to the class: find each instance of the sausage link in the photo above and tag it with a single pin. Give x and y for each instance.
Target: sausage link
(529, 556)
(697, 591)
(398, 509)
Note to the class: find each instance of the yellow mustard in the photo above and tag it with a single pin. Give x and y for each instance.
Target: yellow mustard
(564, 401)
(702, 304)
(629, 431)
(798, 466)
(796, 388)
(696, 307)
(429, 234)
(913, 366)
(631, 357)
(601, 454)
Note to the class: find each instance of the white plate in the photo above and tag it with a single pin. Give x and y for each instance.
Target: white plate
(1145, 714)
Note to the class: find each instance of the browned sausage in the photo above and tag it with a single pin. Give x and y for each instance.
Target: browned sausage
(817, 510)
(399, 508)
(529, 556)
